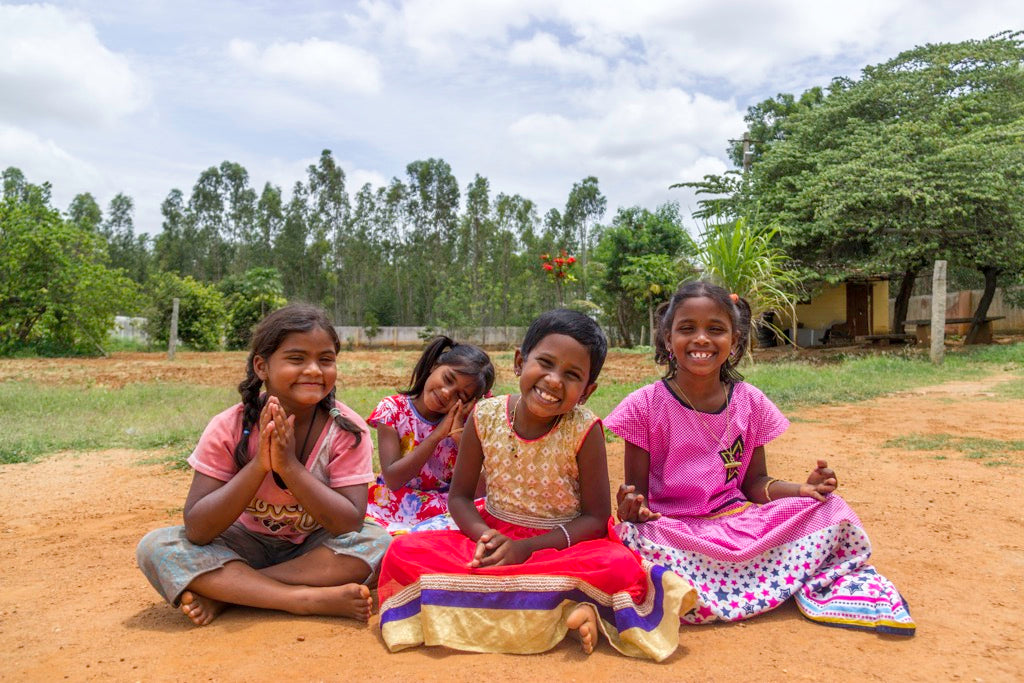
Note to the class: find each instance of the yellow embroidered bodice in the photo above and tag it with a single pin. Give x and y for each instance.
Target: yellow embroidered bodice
(535, 482)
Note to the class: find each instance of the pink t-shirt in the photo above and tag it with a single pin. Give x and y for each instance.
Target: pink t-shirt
(698, 460)
(275, 511)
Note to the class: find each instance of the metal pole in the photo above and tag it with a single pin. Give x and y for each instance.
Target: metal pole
(173, 339)
(938, 348)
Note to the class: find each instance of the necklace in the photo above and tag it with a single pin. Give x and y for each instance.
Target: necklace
(302, 451)
(512, 422)
(700, 416)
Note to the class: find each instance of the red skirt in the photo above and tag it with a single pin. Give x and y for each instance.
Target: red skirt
(429, 595)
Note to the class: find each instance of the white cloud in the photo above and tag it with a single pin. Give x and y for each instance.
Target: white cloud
(544, 50)
(312, 62)
(44, 160)
(52, 65)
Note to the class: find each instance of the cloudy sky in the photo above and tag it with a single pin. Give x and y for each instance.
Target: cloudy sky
(139, 97)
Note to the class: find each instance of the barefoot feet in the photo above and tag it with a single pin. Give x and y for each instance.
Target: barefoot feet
(351, 600)
(583, 621)
(201, 610)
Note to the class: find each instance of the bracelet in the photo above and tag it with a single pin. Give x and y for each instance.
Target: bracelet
(767, 485)
(456, 432)
(568, 538)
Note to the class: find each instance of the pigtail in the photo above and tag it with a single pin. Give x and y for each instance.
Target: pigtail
(431, 356)
(662, 354)
(741, 320)
(252, 404)
(328, 404)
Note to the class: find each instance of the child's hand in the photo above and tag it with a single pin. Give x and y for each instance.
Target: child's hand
(461, 415)
(266, 427)
(494, 549)
(630, 506)
(282, 450)
(821, 482)
(452, 423)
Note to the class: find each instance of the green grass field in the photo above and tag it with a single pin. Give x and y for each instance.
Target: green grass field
(37, 420)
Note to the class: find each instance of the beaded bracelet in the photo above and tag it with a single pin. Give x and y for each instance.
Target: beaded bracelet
(568, 538)
(767, 485)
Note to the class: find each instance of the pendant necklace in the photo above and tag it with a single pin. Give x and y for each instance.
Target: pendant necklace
(302, 451)
(700, 416)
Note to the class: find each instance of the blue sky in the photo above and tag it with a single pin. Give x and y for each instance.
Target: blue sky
(535, 95)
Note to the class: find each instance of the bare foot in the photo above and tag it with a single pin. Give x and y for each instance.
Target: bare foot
(200, 609)
(351, 600)
(583, 620)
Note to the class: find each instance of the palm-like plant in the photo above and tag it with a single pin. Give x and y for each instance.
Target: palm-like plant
(741, 255)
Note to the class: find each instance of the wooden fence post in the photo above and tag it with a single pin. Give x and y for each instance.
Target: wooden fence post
(938, 348)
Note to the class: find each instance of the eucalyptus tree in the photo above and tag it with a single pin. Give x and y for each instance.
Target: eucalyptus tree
(432, 206)
(85, 212)
(328, 218)
(583, 209)
(127, 251)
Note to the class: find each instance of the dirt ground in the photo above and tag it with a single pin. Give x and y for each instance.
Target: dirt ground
(949, 531)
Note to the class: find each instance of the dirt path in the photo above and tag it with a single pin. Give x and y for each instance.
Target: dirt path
(949, 532)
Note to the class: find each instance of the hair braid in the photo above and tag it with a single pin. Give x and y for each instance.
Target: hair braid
(249, 388)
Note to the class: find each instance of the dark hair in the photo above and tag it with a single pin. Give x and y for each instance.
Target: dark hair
(739, 313)
(269, 335)
(573, 324)
(464, 359)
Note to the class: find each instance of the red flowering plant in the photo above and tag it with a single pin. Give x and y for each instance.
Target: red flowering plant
(559, 271)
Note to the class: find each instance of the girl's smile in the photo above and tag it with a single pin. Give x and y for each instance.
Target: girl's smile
(701, 337)
(553, 378)
(301, 371)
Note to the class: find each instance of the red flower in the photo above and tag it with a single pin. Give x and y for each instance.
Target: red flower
(559, 261)
(548, 267)
(572, 259)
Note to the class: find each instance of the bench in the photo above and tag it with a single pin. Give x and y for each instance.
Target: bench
(922, 328)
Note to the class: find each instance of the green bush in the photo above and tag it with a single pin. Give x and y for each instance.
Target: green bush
(201, 314)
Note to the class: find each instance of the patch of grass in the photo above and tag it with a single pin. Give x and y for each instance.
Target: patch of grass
(792, 384)
(992, 451)
(1010, 390)
(36, 419)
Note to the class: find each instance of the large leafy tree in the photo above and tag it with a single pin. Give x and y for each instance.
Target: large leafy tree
(918, 159)
(635, 232)
(57, 293)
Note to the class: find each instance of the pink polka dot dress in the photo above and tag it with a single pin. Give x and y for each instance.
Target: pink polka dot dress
(743, 558)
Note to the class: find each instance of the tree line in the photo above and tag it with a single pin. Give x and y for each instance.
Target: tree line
(417, 251)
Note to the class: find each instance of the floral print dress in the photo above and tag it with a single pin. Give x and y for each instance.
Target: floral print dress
(424, 496)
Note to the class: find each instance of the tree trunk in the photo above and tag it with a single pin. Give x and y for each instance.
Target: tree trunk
(899, 314)
(620, 315)
(991, 274)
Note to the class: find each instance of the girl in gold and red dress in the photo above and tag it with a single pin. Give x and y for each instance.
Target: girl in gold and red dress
(536, 559)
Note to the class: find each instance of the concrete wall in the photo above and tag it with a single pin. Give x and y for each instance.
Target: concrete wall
(416, 337)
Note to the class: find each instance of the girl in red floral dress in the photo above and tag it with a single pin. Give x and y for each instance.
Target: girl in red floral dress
(418, 433)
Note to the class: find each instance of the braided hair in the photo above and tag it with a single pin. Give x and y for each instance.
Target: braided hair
(739, 313)
(269, 335)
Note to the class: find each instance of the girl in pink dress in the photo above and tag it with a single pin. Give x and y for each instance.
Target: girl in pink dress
(418, 433)
(698, 500)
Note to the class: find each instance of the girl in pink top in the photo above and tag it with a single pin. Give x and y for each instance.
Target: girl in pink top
(274, 516)
(698, 500)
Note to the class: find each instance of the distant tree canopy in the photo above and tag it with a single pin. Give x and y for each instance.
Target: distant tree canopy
(920, 158)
